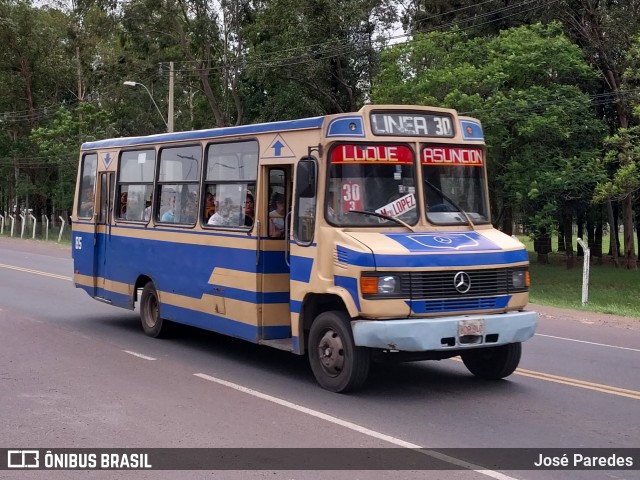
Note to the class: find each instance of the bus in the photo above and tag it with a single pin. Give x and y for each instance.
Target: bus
(350, 238)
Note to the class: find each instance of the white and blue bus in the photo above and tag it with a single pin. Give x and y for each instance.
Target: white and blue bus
(345, 237)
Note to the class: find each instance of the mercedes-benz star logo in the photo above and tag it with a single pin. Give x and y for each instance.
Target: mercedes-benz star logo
(462, 282)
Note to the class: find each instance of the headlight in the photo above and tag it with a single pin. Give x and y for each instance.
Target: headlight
(520, 279)
(388, 284)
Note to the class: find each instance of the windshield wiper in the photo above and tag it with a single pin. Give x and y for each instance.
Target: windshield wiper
(453, 204)
(382, 215)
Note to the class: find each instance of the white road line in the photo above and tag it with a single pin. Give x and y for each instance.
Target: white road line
(355, 427)
(37, 272)
(139, 355)
(589, 343)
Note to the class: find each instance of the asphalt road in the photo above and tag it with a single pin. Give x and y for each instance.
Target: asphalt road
(78, 373)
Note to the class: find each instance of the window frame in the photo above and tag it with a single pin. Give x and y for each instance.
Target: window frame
(157, 200)
(250, 186)
(119, 184)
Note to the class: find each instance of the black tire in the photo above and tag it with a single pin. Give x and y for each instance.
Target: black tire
(493, 363)
(152, 323)
(338, 365)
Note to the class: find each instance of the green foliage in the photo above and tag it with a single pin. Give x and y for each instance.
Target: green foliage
(623, 155)
(543, 137)
(318, 52)
(58, 143)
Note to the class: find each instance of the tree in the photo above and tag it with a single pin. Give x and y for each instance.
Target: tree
(606, 30)
(35, 76)
(313, 57)
(480, 18)
(623, 152)
(58, 145)
(542, 135)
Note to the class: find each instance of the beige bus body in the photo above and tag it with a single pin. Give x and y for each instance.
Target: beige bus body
(342, 287)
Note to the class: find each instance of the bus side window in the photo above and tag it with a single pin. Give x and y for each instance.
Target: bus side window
(230, 183)
(178, 184)
(135, 184)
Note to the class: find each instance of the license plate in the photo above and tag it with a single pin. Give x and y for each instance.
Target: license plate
(470, 327)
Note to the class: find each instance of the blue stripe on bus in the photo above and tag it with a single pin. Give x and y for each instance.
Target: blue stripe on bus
(351, 285)
(352, 257)
(183, 269)
(346, 127)
(301, 269)
(224, 325)
(443, 242)
(116, 299)
(457, 304)
(471, 130)
(454, 260)
(295, 306)
(306, 123)
(252, 296)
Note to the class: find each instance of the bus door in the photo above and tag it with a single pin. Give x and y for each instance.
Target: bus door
(106, 192)
(274, 317)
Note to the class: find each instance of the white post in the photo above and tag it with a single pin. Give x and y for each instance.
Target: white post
(35, 222)
(61, 229)
(585, 272)
(47, 229)
(23, 225)
(2, 225)
(13, 222)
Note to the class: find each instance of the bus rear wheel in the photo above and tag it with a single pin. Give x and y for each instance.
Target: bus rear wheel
(493, 363)
(152, 322)
(337, 364)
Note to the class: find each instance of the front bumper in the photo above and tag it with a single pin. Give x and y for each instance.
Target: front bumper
(441, 333)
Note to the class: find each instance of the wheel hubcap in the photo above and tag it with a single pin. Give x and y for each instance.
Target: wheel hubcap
(151, 316)
(331, 353)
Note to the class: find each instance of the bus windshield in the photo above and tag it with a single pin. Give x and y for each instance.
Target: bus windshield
(454, 182)
(371, 178)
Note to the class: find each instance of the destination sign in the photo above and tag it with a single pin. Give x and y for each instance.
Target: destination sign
(471, 157)
(412, 124)
(352, 153)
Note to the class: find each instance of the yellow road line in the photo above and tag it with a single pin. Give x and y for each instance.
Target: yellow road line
(44, 274)
(598, 387)
(573, 382)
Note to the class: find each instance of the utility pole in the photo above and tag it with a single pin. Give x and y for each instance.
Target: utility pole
(172, 74)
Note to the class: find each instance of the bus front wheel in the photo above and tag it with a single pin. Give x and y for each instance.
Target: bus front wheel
(152, 323)
(493, 363)
(337, 364)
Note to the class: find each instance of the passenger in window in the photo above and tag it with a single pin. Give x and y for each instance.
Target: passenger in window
(249, 210)
(123, 204)
(169, 215)
(276, 216)
(209, 206)
(147, 209)
(223, 217)
(86, 207)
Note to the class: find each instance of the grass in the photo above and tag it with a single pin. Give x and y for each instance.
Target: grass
(611, 290)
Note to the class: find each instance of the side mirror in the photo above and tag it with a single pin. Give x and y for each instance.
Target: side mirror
(306, 177)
